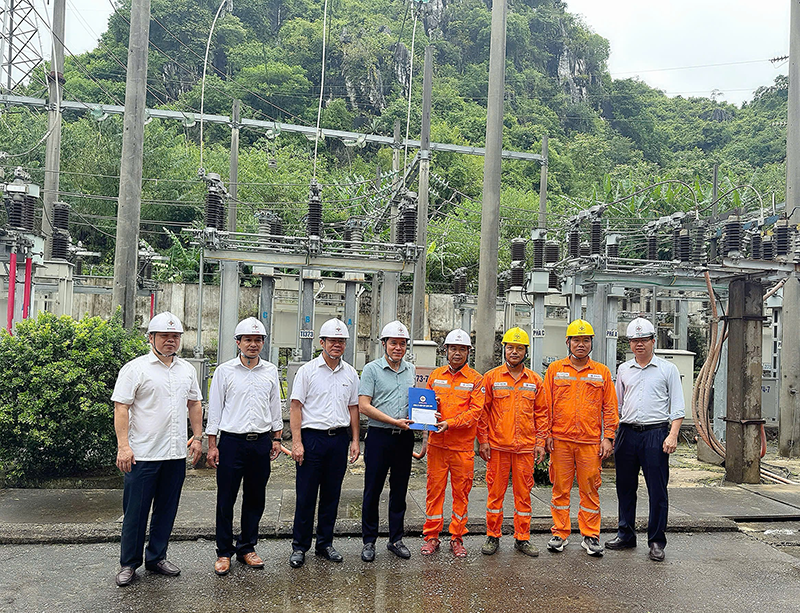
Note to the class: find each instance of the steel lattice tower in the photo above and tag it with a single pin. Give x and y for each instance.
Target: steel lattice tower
(20, 43)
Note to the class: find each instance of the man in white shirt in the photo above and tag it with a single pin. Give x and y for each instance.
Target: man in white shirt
(244, 412)
(152, 398)
(324, 418)
(651, 413)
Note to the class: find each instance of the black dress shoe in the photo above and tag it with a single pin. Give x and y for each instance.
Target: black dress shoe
(618, 543)
(368, 552)
(656, 552)
(164, 567)
(329, 553)
(297, 559)
(399, 549)
(125, 576)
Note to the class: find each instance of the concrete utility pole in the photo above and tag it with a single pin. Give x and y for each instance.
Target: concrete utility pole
(391, 280)
(742, 432)
(420, 268)
(229, 277)
(130, 169)
(490, 210)
(55, 80)
(543, 185)
(789, 422)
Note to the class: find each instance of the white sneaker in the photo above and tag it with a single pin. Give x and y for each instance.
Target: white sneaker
(592, 546)
(557, 543)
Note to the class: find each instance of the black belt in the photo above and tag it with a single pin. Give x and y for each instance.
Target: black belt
(247, 436)
(643, 427)
(330, 431)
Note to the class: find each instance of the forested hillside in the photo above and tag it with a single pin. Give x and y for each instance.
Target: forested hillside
(607, 137)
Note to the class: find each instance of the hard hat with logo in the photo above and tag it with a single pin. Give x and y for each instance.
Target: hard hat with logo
(250, 326)
(580, 327)
(165, 322)
(395, 329)
(641, 328)
(517, 336)
(457, 337)
(334, 328)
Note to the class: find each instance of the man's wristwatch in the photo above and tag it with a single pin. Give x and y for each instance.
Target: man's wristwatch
(198, 437)
(277, 439)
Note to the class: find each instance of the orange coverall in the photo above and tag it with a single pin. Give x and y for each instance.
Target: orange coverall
(583, 411)
(459, 398)
(514, 422)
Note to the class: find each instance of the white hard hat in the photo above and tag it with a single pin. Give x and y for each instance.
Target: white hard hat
(457, 337)
(250, 326)
(165, 322)
(640, 328)
(334, 328)
(395, 329)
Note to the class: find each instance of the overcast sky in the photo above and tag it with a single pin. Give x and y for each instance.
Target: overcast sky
(654, 41)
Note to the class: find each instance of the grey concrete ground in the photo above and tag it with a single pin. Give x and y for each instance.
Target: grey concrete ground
(711, 572)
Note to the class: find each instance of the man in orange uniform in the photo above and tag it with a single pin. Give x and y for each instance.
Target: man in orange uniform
(583, 420)
(512, 432)
(451, 449)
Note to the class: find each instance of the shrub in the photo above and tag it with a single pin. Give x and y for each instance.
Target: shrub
(56, 414)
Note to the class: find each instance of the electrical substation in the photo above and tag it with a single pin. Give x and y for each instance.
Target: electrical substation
(720, 273)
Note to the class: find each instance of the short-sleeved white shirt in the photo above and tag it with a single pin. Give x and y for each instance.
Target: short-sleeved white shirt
(244, 400)
(649, 394)
(158, 396)
(325, 394)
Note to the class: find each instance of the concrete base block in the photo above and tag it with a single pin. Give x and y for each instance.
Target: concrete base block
(708, 455)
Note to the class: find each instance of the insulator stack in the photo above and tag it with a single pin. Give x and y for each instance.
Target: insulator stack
(518, 250)
(586, 250)
(684, 246)
(756, 251)
(277, 226)
(314, 218)
(698, 245)
(612, 250)
(462, 284)
(768, 248)
(652, 248)
(60, 231)
(596, 237)
(354, 229)
(215, 210)
(782, 238)
(517, 274)
(147, 273)
(408, 223)
(733, 235)
(15, 208)
(574, 243)
(29, 212)
(538, 252)
(551, 256)
(676, 239)
(501, 286)
(61, 215)
(60, 245)
(79, 266)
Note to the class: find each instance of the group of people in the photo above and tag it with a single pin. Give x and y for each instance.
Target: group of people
(517, 417)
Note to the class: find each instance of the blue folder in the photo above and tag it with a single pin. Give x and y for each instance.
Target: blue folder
(421, 399)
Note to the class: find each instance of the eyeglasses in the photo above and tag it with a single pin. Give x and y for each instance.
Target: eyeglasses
(336, 341)
(636, 341)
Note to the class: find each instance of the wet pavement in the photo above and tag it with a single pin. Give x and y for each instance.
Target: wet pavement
(711, 572)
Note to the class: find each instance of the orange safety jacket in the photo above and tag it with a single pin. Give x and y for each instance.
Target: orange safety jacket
(582, 403)
(515, 415)
(459, 398)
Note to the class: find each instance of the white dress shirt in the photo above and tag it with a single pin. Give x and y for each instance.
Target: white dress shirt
(158, 396)
(649, 394)
(325, 394)
(244, 400)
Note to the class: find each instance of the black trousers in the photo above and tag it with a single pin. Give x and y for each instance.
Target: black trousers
(157, 484)
(632, 451)
(322, 471)
(386, 453)
(245, 463)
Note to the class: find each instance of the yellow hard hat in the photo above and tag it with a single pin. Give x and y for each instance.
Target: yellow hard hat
(518, 336)
(580, 327)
